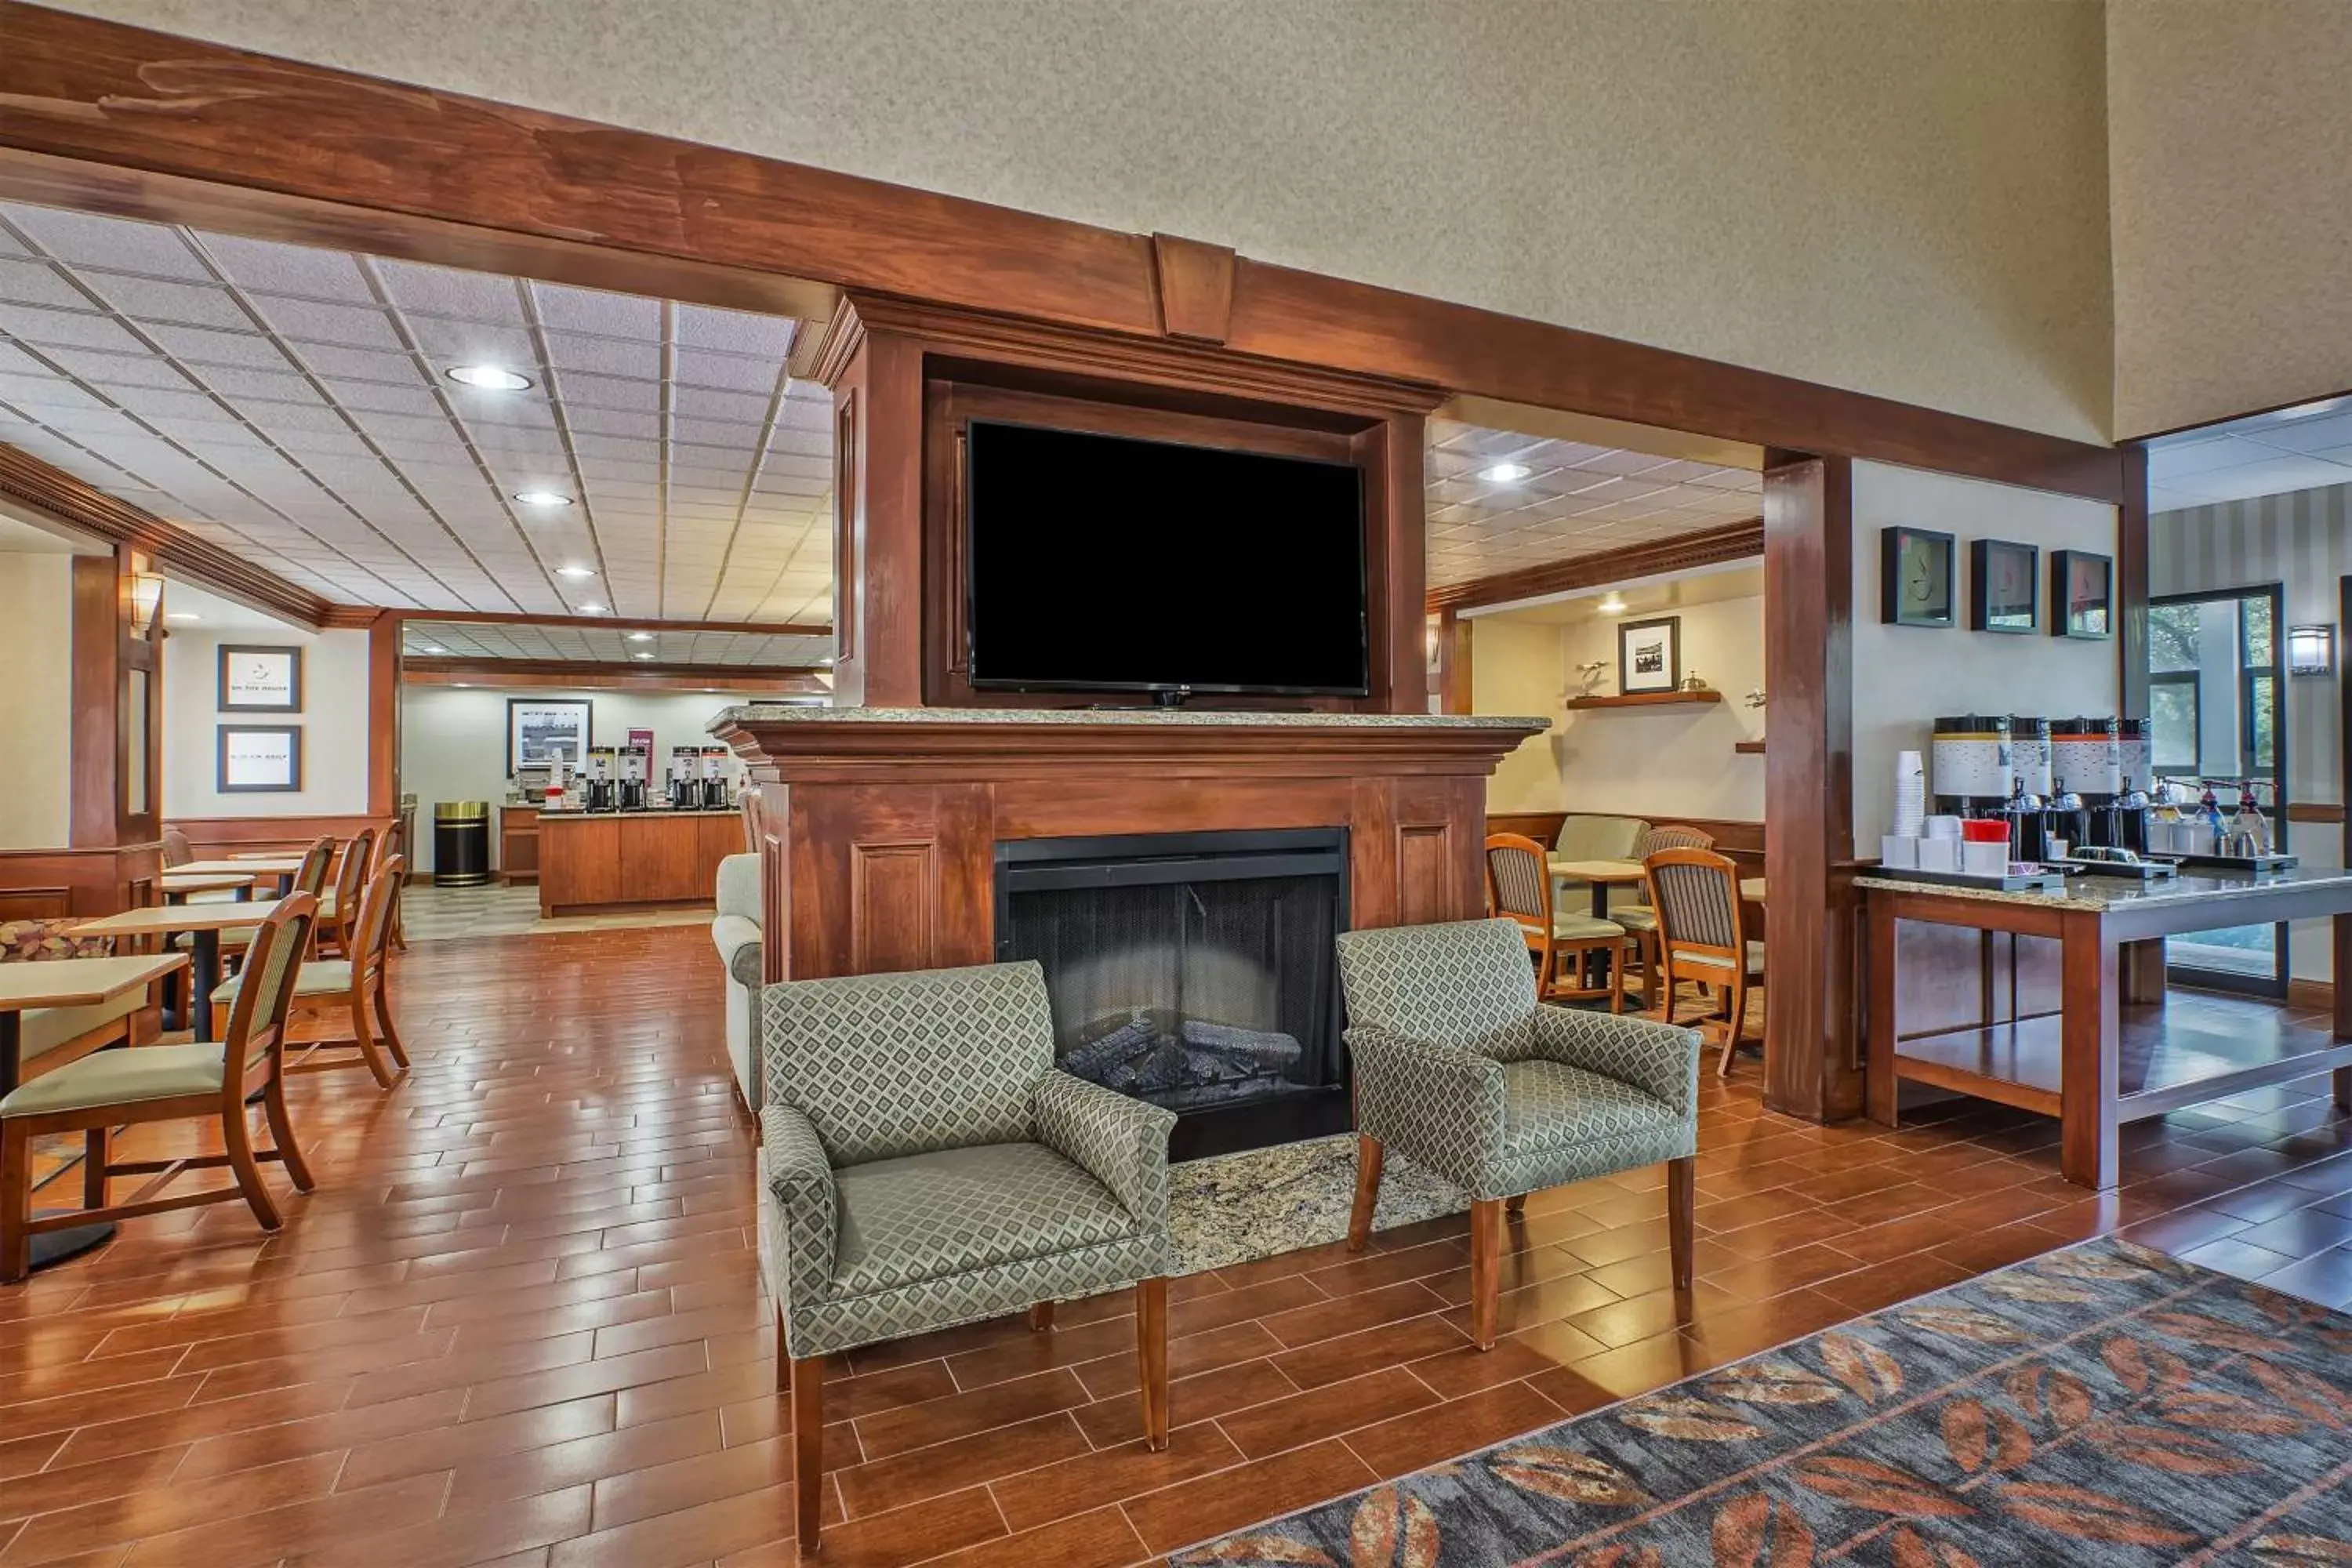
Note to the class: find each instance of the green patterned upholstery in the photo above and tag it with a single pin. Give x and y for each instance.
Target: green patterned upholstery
(926, 1165)
(1459, 1069)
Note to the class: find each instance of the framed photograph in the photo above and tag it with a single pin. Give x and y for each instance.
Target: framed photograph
(2081, 594)
(258, 759)
(541, 733)
(2004, 586)
(260, 679)
(1914, 577)
(1650, 656)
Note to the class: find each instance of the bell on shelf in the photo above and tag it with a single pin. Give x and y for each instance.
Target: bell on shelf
(1693, 681)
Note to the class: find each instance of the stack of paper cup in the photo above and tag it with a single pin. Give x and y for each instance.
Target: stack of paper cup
(1910, 795)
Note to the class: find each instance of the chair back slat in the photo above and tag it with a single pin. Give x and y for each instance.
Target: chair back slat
(176, 848)
(1697, 895)
(1672, 836)
(255, 1041)
(372, 932)
(312, 878)
(1518, 880)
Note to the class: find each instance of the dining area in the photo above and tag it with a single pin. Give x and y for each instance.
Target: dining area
(192, 1009)
(1603, 900)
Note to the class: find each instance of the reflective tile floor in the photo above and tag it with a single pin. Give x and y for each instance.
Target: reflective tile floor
(520, 1323)
(444, 914)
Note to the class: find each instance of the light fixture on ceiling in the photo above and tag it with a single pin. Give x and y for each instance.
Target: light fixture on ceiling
(182, 615)
(1503, 473)
(575, 571)
(641, 636)
(1613, 604)
(641, 656)
(487, 377)
(589, 609)
(146, 598)
(542, 498)
(433, 647)
(2310, 410)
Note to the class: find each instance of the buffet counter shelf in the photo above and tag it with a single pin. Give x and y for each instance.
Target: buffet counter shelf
(590, 861)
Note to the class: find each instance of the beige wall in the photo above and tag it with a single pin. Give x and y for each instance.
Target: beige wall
(1904, 677)
(1515, 668)
(334, 720)
(2230, 130)
(37, 700)
(1907, 199)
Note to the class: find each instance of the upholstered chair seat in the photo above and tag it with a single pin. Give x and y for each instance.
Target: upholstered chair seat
(1582, 928)
(319, 977)
(1461, 1069)
(1695, 961)
(925, 1164)
(1633, 917)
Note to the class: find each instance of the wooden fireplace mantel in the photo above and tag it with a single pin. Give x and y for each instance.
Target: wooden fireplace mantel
(877, 826)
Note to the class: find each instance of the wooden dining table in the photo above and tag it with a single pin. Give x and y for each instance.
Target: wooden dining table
(203, 923)
(178, 884)
(1602, 875)
(280, 866)
(66, 983)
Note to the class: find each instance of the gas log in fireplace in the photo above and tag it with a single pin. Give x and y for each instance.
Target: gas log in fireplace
(1192, 970)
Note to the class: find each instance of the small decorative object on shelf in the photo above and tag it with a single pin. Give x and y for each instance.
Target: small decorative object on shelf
(1587, 676)
(1755, 698)
(1693, 681)
(2004, 586)
(2082, 592)
(1914, 577)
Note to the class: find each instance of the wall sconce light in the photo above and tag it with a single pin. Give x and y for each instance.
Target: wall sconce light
(2311, 650)
(146, 598)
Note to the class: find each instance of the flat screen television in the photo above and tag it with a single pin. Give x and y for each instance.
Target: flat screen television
(1114, 563)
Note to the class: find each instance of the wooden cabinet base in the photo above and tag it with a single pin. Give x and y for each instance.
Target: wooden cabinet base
(591, 864)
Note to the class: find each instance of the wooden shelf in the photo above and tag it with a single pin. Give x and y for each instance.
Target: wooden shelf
(1748, 748)
(1645, 699)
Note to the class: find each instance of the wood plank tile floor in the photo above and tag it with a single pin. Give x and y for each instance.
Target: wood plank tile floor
(521, 1322)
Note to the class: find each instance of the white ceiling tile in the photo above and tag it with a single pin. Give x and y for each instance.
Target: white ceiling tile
(595, 310)
(701, 367)
(265, 267)
(44, 328)
(479, 297)
(735, 332)
(453, 343)
(89, 239)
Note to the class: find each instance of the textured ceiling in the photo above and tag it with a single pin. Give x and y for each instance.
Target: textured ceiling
(610, 645)
(2298, 448)
(1574, 500)
(290, 404)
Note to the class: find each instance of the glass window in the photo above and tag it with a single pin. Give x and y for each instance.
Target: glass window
(2262, 736)
(2172, 721)
(2257, 631)
(2172, 637)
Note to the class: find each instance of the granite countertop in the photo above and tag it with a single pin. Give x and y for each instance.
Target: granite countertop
(2101, 894)
(781, 713)
(698, 811)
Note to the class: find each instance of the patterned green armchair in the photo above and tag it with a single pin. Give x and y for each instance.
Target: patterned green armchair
(1459, 1069)
(924, 1164)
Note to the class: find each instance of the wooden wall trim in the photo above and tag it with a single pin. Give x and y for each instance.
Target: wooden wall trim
(1196, 287)
(1733, 542)
(2316, 811)
(110, 98)
(94, 752)
(604, 676)
(384, 716)
(608, 623)
(2131, 582)
(43, 486)
(208, 836)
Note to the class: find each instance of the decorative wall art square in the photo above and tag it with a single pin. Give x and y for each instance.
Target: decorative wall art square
(541, 733)
(2004, 586)
(260, 679)
(1650, 656)
(1914, 577)
(2081, 594)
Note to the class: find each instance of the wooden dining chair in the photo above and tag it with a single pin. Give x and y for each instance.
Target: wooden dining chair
(1518, 888)
(99, 1095)
(1702, 934)
(1641, 920)
(338, 908)
(354, 989)
(395, 842)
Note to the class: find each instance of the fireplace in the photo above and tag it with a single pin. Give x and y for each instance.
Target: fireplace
(1192, 970)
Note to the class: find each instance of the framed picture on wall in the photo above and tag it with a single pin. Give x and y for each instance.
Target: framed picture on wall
(2081, 594)
(1914, 577)
(258, 759)
(2004, 586)
(1650, 656)
(260, 679)
(542, 734)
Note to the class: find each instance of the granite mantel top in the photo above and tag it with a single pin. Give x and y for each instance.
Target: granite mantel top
(2102, 895)
(1094, 718)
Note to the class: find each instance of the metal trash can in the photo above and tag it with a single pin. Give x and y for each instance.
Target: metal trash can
(461, 843)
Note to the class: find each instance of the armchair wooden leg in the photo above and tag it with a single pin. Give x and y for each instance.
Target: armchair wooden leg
(1485, 1268)
(281, 1133)
(1041, 1317)
(808, 1447)
(1734, 1015)
(1681, 1191)
(1515, 1206)
(1369, 1157)
(1152, 1348)
(784, 1355)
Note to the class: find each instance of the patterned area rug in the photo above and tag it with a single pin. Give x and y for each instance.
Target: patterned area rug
(1236, 1207)
(2103, 1405)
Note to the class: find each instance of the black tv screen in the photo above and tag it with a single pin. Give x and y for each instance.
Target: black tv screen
(1107, 562)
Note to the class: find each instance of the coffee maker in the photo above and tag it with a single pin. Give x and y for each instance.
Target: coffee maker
(601, 792)
(637, 770)
(716, 794)
(2029, 795)
(685, 777)
(2083, 770)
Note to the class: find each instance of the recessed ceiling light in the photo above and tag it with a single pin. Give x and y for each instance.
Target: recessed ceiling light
(542, 498)
(1503, 473)
(489, 377)
(434, 647)
(575, 571)
(1614, 604)
(641, 656)
(589, 609)
(2309, 410)
(641, 636)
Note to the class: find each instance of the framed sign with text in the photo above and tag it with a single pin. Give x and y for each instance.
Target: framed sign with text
(260, 679)
(258, 759)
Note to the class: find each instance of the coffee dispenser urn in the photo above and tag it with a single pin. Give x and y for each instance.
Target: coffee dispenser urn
(1968, 765)
(636, 772)
(685, 777)
(2084, 762)
(2029, 766)
(2136, 776)
(601, 792)
(716, 796)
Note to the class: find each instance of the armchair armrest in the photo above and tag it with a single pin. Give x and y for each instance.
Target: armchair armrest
(1122, 1143)
(1440, 1106)
(738, 941)
(1659, 1059)
(792, 1164)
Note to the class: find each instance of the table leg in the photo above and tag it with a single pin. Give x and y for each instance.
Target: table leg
(1881, 1086)
(50, 1248)
(285, 884)
(2090, 1056)
(2142, 973)
(1603, 958)
(206, 966)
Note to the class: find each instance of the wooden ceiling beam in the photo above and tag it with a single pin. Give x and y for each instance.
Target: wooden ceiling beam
(616, 623)
(83, 100)
(1738, 542)
(603, 675)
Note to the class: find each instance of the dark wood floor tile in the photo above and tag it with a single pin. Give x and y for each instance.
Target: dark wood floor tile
(1350, 1314)
(554, 1466)
(1119, 1419)
(2236, 1256)
(517, 1532)
(1193, 1353)
(1327, 1411)
(1407, 1443)
(420, 1453)
(1744, 1331)
(1897, 1280)
(1262, 1488)
(314, 1525)
(1465, 1369)
(2322, 1277)
(1059, 1346)
(246, 1448)
(1374, 1269)
(1111, 1475)
(2299, 1234)
(1623, 1372)
(1264, 1298)
(888, 1432)
(881, 1485)
(687, 1537)
(1520, 1269)
(1329, 1361)
(1998, 1247)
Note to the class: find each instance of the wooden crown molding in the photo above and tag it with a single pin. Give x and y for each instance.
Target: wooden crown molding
(1196, 287)
(90, 99)
(613, 675)
(610, 623)
(47, 488)
(1737, 542)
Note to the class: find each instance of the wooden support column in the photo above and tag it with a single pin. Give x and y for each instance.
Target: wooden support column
(1453, 668)
(115, 802)
(877, 381)
(1810, 1002)
(2092, 1050)
(383, 717)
